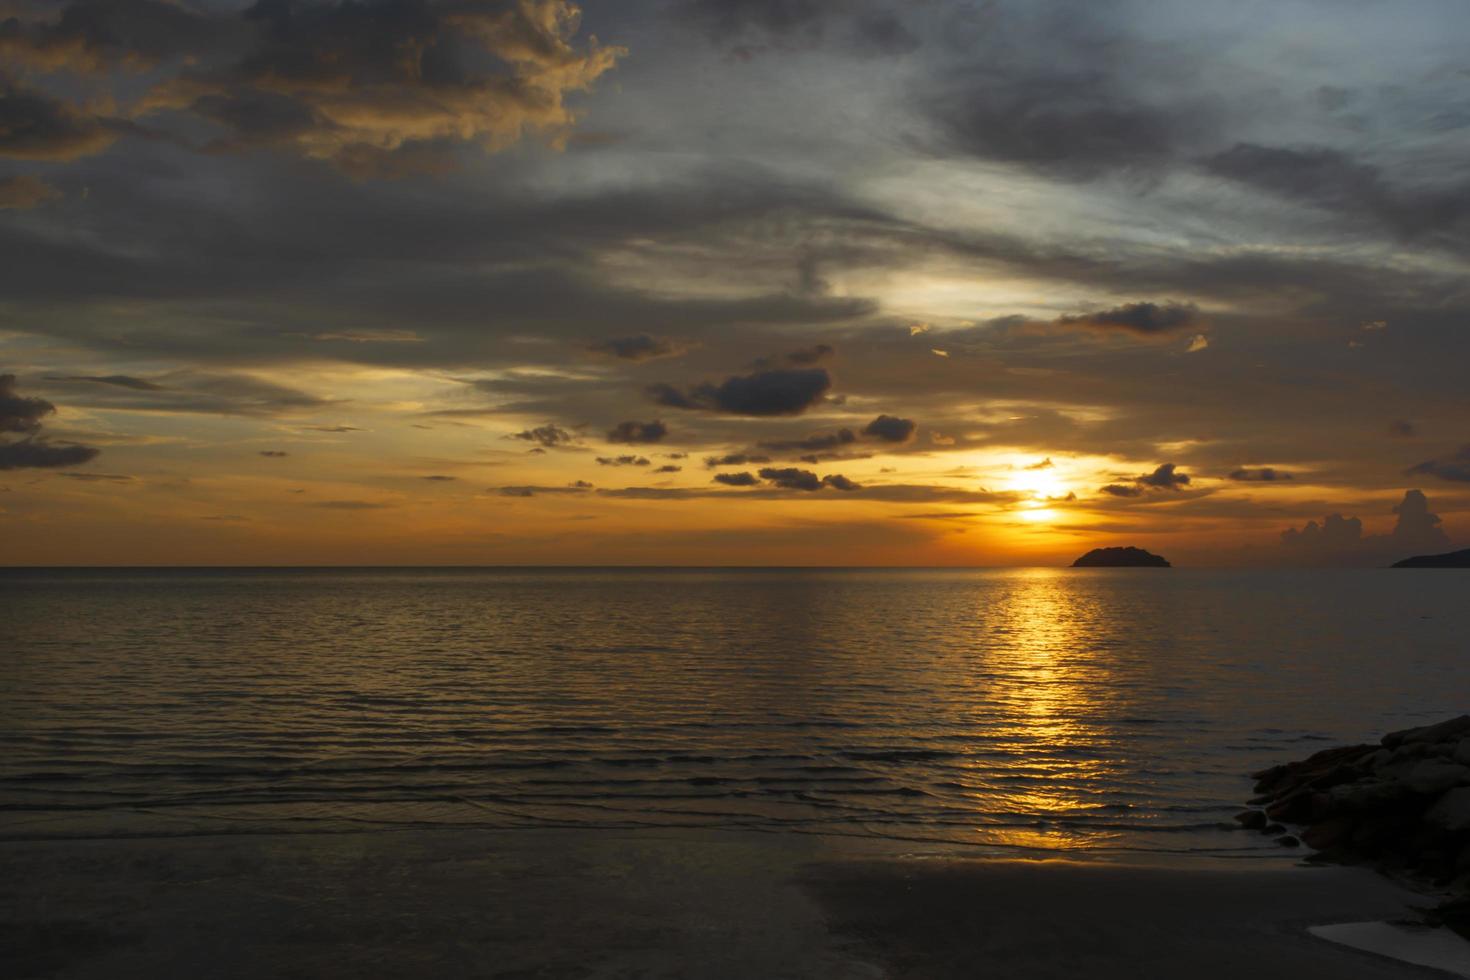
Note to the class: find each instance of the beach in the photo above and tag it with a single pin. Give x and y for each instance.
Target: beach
(692, 904)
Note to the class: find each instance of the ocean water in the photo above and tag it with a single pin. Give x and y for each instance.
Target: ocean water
(1085, 711)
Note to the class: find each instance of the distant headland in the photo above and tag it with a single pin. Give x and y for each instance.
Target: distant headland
(1121, 558)
(1454, 559)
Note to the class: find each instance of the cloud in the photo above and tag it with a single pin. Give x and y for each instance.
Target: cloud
(17, 413)
(1122, 490)
(889, 428)
(1045, 464)
(750, 26)
(1138, 318)
(581, 486)
(639, 347)
(1402, 428)
(1333, 180)
(1198, 343)
(274, 453)
(790, 478)
(735, 479)
(24, 192)
(116, 380)
(839, 482)
(36, 126)
(196, 392)
(1340, 540)
(734, 459)
(548, 436)
(349, 505)
(439, 478)
(635, 433)
(623, 461)
(669, 468)
(810, 355)
(1263, 474)
(1164, 477)
(22, 415)
(818, 442)
(764, 393)
(1455, 467)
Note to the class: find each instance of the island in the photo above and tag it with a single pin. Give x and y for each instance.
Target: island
(1455, 559)
(1120, 558)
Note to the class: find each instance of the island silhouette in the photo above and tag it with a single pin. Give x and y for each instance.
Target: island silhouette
(1121, 558)
(1453, 559)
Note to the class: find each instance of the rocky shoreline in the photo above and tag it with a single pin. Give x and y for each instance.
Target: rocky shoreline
(1401, 806)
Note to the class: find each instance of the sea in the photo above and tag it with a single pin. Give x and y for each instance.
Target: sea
(1006, 711)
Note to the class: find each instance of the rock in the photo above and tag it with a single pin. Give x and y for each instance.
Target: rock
(1272, 829)
(1295, 807)
(1433, 776)
(1120, 558)
(1288, 841)
(1251, 819)
(1453, 559)
(1451, 811)
(1455, 728)
(1329, 834)
(1462, 752)
(1366, 794)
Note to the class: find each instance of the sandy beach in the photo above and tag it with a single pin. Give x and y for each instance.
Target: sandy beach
(717, 905)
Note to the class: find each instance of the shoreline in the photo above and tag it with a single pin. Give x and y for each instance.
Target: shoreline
(663, 904)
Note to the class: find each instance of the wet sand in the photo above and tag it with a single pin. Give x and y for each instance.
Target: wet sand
(676, 904)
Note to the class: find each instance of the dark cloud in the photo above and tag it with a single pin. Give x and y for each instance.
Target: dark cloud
(42, 454)
(548, 436)
(581, 486)
(22, 415)
(810, 355)
(1045, 464)
(328, 81)
(1340, 540)
(439, 478)
(23, 193)
(1455, 467)
(821, 441)
(1075, 122)
(91, 36)
(18, 413)
(97, 477)
(1139, 318)
(636, 433)
(839, 482)
(669, 468)
(790, 478)
(748, 26)
(1402, 428)
(889, 428)
(639, 347)
(1165, 477)
(623, 461)
(1334, 181)
(117, 380)
(805, 357)
(764, 393)
(1263, 474)
(349, 505)
(734, 459)
(330, 428)
(274, 453)
(736, 479)
(196, 392)
(35, 126)
(1122, 490)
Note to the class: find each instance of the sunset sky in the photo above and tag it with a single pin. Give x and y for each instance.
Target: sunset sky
(733, 281)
